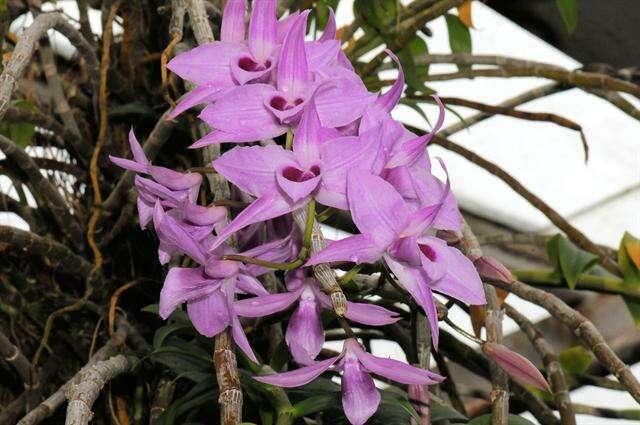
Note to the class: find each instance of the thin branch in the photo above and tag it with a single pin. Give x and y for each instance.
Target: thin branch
(57, 255)
(81, 395)
(551, 363)
(23, 51)
(581, 327)
(14, 358)
(44, 189)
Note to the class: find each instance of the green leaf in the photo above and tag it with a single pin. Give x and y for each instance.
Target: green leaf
(414, 74)
(634, 310)
(22, 132)
(459, 35)
(380, 14)
(165, 331)
(322, 11)
(568, 260)
(575, 360)
(151, 308)
(315, 404)
(441, 412)
(512, 420)
(569, 12)
(629, 260)
(391, 401)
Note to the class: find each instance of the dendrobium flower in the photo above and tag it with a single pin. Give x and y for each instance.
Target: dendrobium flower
(305, 335)
(261, 111)
(283, 181)
(360, 398)
(391, 231)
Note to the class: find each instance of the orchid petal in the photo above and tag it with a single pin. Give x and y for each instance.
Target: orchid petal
(184, 284)
(298, 377)
(170, 231)
(390, 99)
(136, 150)
(244, 73)
(305, 333)
(216, 137)
(360, 398)
(253, 169)
(232, 26)
(293, 71)
(296, 190)
(128, 164)
(262, 29)
(370, 314)
(174, 180)
(322, 55)
(307, 140)
(240, 109)
(377, 209)
(342, 102)
(202, 216)
(517, 366)
(250, 285)
(205, 93)
(357, 249)
(329, 32)
(396, 370)
(265, 305)
(264, 208)
(240, 338)
(145, 212)
(209, 314)
(284, 25)
(197, 67)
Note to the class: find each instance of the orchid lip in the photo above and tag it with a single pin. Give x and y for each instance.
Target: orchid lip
(428, 252)
(297, 175)
(281, 104)
(247, 63)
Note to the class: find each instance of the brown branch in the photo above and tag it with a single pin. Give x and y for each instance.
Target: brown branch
(81, 395)
(51, 404)
(161, 400)
(85, 25)
(51, 164)
(581, 327)
(551, 363)
(44, 190)
(515, 113)
(23, 51)
(57, 255)
(14, 358)
(618, 101)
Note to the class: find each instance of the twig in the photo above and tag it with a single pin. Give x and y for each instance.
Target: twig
(49, 194)
(493, 325)
(551, 364)
(618, 101)
(605, 412)
(23, 51)
(51, 404)
(178, 9)
(501, 110)
(57, 255)
(85, 25)
(581, 327)
(14, 357)
(161, 400)
(114, 302)
(82, 395)
(423, 352)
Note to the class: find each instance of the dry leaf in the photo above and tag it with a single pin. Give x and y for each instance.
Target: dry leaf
(464, 13)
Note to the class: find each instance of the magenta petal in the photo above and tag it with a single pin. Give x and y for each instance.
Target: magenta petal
(396, 370)
(308, 137)
(250, 285)
(370, 314)
(298, 377)
(262, 29)
(170, 232)
(197, 65)
(360, 398)
(253, 169)
(295, 187)
(357, 249)
(329, 32)
(184, 284)
(138, 153)
(209, 314)
(145, 212)
(342, 102)
(518, 367)
(265, 305)
(390, 99)
(263, 208)
(128, 164)
(173, 179)
(322, 55)
(240, 109)
(420, 220)
(244, 74)
(293, 71)
(247, 135)
(232, 27)
(377, 209)
(240, 338)
(202, 94)
(202, 216)
(284, 25)
(305, 334)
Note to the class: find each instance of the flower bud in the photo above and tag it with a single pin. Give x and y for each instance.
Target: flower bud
(491, 269)
(516, 366)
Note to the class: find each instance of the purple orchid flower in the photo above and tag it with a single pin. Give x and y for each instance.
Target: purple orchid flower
(305, 334)
(283, 181)
(261, 111)
(360, 398)
(391, 231)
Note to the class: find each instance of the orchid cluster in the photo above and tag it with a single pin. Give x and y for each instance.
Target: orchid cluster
(342, 150)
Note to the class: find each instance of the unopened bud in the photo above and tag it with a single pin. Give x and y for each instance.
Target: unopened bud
(491, 269)
(516, 366)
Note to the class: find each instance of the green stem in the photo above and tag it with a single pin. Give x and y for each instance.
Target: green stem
(308, 228)
(347, 277)
(588, 282)
(288, 144)
(268, 264)
(463, 332)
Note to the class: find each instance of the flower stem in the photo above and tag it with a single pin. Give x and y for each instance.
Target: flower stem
(462, 331)
(308, 229)
(347, 277)
(288, 144)
(268, 264)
